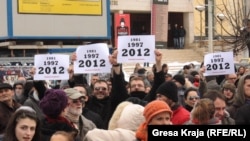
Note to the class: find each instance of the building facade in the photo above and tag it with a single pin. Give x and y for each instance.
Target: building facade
(181, 12)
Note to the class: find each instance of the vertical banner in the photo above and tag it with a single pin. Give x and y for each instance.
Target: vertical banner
(122, 26)
(159, 22)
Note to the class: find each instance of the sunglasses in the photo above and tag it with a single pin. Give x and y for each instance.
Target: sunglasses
(194, 97)
(81, 100)
(100, 88)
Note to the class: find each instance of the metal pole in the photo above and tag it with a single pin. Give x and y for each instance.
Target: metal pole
(222, 44)
(200, 28)
(210, 27)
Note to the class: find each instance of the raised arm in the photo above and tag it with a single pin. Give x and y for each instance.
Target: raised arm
(159, 77)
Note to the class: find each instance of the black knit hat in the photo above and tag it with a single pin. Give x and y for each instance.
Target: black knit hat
(168, 89)
(179, 78)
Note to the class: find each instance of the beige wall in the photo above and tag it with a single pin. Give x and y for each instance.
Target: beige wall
(132, 5)
(189, 24)
(180, 5)
(183, 6)
(145, 5)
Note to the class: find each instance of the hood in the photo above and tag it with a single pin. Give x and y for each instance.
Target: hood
(117, 114)
(131, 117)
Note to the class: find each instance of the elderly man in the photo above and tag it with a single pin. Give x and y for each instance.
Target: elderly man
(74, 112)
(7, 105)
(89, 114)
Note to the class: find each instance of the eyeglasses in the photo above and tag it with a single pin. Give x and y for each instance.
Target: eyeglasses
(226, 89)
(194, 98)
(81, 100)
(100, 88)
(232, 78)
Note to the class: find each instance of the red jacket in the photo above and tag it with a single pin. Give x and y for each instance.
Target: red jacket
(180, 116)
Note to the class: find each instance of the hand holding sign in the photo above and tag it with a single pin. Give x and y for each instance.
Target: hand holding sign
(92, 59)
(136, 49)
(51, 67)
(219, 63)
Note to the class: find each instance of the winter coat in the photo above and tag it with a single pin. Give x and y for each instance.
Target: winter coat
(5, 114)
(94, 117)
(180, 115)
(33, 103)
(242, 115)
(123, 124)
(50, 126)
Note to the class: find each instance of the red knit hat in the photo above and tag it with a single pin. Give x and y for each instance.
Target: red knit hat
(155, 107)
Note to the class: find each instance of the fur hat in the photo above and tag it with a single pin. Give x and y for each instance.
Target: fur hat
(155, 107)
(18, 82)
(54, 102)
(179, 78)
(229, 86)
(168, 89)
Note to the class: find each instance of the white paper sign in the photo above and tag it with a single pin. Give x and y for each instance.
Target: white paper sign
(219, 63)
(92, 58)
(51, 67)
(136, 48)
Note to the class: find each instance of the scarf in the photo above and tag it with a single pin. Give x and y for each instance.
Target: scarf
(142, 133)
(59, 120)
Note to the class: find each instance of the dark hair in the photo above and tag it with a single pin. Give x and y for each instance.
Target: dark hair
(27, 88)
(202, 64)
(122, 20)
(189, 90)
(241, 67)
(192, 65)
(136, 78)
(164, 65)
(213, 94)
(21, 113)
(186, 67)
(102, 81)
(70, 136)
(246, 78)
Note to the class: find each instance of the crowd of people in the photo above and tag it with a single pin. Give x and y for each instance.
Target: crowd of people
(116, 109)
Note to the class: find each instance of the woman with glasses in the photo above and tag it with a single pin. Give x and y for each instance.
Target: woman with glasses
(190, 97)
(23, 125)
(229, 90)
